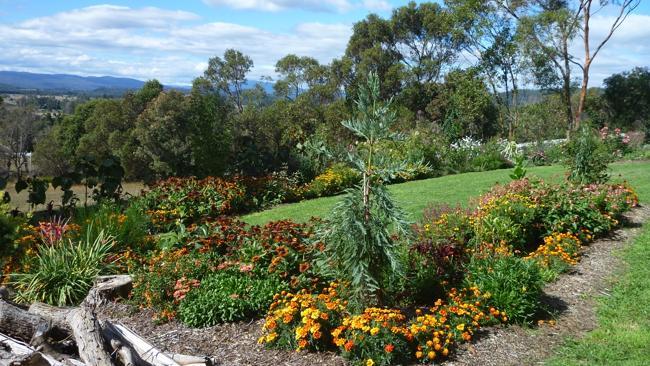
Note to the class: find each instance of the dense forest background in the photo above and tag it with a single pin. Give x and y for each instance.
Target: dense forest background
(482, 70)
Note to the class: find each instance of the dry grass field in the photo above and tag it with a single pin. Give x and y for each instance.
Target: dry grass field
(19, 200)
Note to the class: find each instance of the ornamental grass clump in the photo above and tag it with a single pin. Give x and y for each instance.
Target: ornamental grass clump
(63, 273)
(358, 232)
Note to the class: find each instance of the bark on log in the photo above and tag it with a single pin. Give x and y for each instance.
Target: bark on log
(23, 354)
(57, 316)
(18, 323)
(109, 288)
(87, 335)
(143, 352)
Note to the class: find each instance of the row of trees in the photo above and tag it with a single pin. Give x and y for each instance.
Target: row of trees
(456, 70)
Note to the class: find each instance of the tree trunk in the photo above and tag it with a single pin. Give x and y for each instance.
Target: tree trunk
(585, 68)
(566, 85)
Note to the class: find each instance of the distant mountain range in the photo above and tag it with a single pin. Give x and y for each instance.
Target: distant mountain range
(27, 82)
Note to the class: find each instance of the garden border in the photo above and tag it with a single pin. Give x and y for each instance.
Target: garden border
(574, 296)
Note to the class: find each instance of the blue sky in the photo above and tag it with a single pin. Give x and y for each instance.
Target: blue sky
(172, 40)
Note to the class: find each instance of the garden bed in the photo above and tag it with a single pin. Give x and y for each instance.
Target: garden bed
(572, 297)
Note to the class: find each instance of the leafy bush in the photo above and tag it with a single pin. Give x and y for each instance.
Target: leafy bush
(514, 284)
(506, 219)
(226, 297)
(63, 273)
(586, 157)
(8, 229)
(190, 199)
(438, 253)
(577, 210)
(334, 180)
(282, 250)
(154, 282)
(128, 227)
(558, 253)
(489, 157)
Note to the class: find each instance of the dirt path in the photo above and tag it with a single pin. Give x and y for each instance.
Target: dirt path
(573, 295)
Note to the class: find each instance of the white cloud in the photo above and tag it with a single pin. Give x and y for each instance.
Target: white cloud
(110, 17)
(377, 5)
(340, 6)
(154, 43)
(628, 47)
(174, 46)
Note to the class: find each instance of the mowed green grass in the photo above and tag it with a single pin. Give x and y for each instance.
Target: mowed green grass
(623, 333)
(456, 189)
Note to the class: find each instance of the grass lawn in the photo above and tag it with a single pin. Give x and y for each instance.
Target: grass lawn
(623, 334)
(451, 189)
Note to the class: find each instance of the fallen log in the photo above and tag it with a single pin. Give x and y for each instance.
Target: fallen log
(97, 344)
(21, 354)
(57, 316)
(143, 351)
(108, 288)
(19, 323)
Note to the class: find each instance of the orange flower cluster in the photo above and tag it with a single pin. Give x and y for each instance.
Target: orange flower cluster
(303, 320)
(379, 333)
(443, 325)
(182, 287)
(563, 247)
(383, 336)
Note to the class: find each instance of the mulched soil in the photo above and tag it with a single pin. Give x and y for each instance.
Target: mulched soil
(573, 297)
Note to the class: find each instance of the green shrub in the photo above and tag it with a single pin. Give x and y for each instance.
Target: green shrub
(153, 284)
(228, 297)
(8, 227)
(514, 284)
(333, 181)
(586, 156)
(128, 227)
(509, 219)
(489, 157)
(63, 273)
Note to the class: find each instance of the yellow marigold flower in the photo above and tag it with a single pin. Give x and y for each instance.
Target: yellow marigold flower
(431, 355)
(460, 327)
(374, 331)
(418, 354)
(370, 362)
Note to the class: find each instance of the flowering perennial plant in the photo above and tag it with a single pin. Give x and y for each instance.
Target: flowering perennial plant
(376, 335)
(558, 251)
(303, 321)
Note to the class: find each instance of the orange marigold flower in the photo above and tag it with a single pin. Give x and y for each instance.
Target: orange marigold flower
(389, 348)
(348, 345)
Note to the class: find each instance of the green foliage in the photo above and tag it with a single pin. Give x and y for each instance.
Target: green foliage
(464, 106)
(128, 227)
(358, 231)
(8, 231)
(36, 188)
(624, 90)
(63, 273)
(228, 75)
(515, 284)
(227, 297)
(334, 180)
(586, 157)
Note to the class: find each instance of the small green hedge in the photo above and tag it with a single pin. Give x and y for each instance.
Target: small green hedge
(227, 297)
